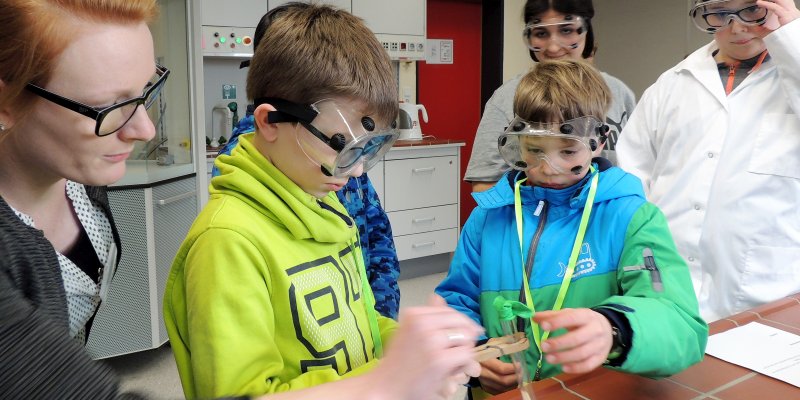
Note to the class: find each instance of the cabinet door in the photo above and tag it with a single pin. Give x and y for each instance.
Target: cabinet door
(398, 17)
(174, 210)
(124, 322)
(376, 177)
(421, 182)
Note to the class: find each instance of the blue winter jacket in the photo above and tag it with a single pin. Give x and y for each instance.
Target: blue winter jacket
(659, 306)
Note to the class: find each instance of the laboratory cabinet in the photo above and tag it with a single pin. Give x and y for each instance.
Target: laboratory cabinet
(420, 194)
(152, 221)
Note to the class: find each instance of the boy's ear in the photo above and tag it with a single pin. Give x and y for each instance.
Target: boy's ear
(264, 128)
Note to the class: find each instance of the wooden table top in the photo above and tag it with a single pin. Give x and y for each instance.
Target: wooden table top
(711, 379)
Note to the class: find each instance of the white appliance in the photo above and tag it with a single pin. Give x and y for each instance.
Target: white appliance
(409, 121)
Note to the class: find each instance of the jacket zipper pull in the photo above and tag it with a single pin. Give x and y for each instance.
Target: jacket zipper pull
(731, 78)
(539, 208)
(650, 265)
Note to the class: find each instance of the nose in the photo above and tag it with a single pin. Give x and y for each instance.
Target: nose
(736, 26)
(546, 169)
(139, 127)
(553, 46)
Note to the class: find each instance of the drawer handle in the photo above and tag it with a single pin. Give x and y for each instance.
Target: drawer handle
(420, 220)
(173, 199)
(421, 170)
(425, 244)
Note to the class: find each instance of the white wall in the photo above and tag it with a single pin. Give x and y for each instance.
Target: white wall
(638, 40)
(515, 54)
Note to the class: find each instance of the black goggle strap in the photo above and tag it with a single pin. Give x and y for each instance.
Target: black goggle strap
(288, 111)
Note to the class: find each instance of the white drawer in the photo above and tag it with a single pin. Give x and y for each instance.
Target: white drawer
(423, 219)
(420, 182)
(426, 244)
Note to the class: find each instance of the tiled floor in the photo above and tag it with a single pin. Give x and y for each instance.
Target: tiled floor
(153, 373)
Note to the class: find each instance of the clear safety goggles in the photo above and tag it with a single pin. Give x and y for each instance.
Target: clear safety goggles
(337, 138)
(566, 147)
(567, 33)
(713, 15)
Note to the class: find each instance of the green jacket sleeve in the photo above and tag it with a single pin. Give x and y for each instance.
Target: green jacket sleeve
(232, 323)
(668, 333)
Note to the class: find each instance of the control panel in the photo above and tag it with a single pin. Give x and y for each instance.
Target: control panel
(403, 47)
(227, 41)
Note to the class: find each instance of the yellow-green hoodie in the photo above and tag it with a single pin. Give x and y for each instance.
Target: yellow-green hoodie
(264, 295)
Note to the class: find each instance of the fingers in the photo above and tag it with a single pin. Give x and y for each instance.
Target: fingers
(566, 318)
(444, 327)
(785, 10)
(497, 367)
(586, 344)
(497, 376)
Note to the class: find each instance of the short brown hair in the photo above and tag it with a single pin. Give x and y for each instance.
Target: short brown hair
(561, 90)
(317, 52)
(35, 32)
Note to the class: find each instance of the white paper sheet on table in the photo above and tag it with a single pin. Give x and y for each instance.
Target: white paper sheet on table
(761, 348)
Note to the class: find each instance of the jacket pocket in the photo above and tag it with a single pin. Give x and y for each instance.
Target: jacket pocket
(776, 150)
(770, 273)
(649, 265)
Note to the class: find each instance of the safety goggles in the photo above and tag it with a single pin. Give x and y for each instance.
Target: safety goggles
(713, 15)
(567, 33)
(112, 118)
(566, 147)
(335, 137)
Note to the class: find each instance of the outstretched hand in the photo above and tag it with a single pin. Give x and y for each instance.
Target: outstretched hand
(431, 352)
(785, 11)
(586, 344)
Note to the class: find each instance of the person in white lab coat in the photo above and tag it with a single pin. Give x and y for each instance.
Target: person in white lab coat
(716, 142)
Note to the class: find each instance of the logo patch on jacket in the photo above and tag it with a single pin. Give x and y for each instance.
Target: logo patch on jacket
(585, 264)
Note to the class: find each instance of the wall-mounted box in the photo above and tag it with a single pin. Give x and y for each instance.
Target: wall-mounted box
(226, 41)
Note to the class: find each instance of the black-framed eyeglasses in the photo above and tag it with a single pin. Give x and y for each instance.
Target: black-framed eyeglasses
(112, 118)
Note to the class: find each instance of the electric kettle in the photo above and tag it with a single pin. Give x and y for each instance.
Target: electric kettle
(408, 122)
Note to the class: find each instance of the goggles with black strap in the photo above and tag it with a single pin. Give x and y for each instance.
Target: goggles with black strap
(337, 138)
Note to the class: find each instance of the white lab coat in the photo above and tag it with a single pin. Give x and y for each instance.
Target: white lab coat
(725, 170)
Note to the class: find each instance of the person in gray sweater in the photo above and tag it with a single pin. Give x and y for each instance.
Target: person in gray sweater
(558, 31)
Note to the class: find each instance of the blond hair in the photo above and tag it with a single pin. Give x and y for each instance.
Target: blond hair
(35, 32)
(561, 90)
(317, 52)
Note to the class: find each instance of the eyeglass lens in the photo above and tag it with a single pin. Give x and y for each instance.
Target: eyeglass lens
(114, 119)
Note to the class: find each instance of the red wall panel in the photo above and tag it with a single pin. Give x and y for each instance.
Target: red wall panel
(451, 92)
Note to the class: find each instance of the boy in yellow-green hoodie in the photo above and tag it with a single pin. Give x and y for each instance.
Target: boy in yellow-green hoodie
(268, 292)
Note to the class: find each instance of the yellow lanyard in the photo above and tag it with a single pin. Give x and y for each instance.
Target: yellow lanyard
(573, 258)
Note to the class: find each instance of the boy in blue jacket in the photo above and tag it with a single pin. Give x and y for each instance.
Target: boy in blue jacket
(573, 238)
